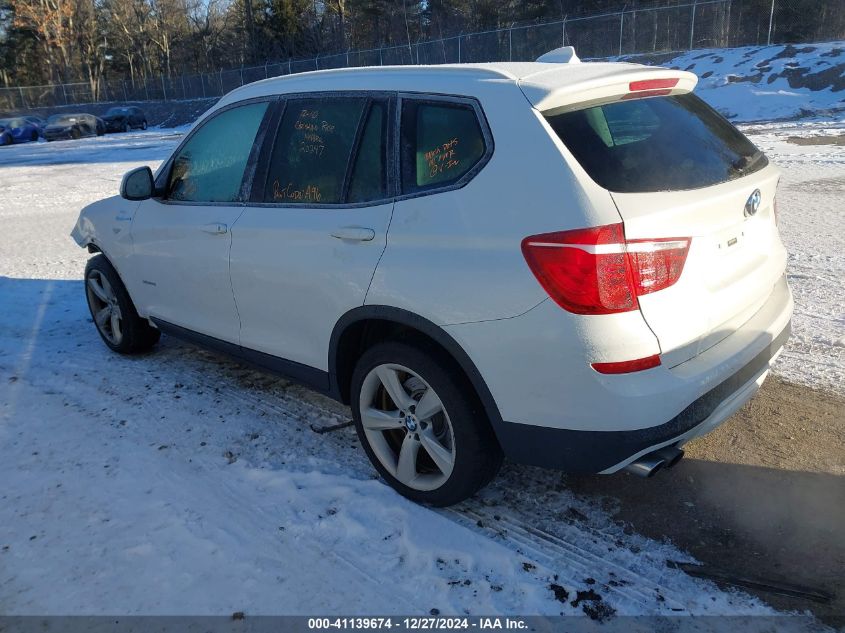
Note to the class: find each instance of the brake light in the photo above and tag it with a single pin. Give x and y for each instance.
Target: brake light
(597, 271)
(653, 84)
(627, 366)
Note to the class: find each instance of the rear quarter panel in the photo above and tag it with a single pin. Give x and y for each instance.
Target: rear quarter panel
(455, 256)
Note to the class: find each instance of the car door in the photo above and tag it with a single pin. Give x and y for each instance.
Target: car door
(181, 240)
(305, 249)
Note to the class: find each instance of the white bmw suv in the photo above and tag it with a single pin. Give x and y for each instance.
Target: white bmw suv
(572, 265)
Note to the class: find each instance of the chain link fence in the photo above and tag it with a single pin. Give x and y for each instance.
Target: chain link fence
(699, 24)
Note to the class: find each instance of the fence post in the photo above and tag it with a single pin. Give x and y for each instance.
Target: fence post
(184, 91)
(563, 32)
(123, 83)
(163, 88)
(64, 92)
(242, 75)
(771, 19)
(220, 77)
(692, 26)
(380, 58)
(146, 91)
(459, 49)
(290, 70)
(621, 26)
(347, 58)
(266, 74)
(23, 101)
(510, 43)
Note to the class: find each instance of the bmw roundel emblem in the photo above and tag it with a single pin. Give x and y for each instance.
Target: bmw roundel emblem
(753, 203)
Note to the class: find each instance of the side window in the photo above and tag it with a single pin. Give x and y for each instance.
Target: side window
(369, 173)
(311, 154)
(440, 143)
(210, 166)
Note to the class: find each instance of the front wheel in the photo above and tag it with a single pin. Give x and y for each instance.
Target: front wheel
(113, 312)
(421, 425)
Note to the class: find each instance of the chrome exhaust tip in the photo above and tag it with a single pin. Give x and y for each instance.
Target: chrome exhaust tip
(646, 466)
(672, 455)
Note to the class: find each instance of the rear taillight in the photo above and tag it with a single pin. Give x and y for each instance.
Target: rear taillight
(596, 271)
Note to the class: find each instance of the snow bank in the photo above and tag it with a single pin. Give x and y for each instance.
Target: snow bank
(769, 83)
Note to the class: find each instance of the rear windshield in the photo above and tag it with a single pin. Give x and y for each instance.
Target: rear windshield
(657, 144)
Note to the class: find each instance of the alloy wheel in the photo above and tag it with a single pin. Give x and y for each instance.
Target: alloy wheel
(104, 307)
(407, 427)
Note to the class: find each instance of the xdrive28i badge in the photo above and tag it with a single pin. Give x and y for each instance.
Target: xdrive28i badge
(752, 205)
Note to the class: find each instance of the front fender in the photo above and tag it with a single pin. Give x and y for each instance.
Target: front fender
(106, 224)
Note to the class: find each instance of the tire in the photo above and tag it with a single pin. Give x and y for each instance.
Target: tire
(451, 454)
(75, 134)
(5, 140)
(33, 137)
(113, 312)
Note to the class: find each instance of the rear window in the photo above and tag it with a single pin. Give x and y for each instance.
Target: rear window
(657, 144)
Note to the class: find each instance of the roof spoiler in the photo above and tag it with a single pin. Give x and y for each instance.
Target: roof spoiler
(562, 55)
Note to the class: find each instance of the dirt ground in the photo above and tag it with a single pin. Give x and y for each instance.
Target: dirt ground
(762, 498)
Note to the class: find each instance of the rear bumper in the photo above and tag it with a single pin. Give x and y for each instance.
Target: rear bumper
(608, 451)
(557, 412)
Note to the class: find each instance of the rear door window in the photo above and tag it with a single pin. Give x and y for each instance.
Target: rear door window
(666, 143)
(368, 180)
(441, 142)
(310, 157)
(210, 165)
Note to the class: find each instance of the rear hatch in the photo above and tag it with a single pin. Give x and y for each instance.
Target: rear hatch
(677, 169)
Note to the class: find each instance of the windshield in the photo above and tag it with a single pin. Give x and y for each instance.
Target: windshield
(117, 112)
(63, 119)
(657, 144)
(12, 123)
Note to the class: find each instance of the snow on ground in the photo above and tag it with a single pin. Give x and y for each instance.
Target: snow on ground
(768, 83)
(180, 482)
(811, 205)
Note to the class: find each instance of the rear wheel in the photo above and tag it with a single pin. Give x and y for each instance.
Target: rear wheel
(421, 426)
(113, 312)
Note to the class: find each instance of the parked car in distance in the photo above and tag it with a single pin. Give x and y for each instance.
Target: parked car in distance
(38, 122)
(17, 130)
(481, 260)
(73, 126)
(125, 118)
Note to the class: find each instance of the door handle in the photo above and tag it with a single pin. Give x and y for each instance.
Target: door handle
(355, 233)
(216, 228)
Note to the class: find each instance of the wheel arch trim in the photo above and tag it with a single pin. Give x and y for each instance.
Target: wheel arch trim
(414, 321)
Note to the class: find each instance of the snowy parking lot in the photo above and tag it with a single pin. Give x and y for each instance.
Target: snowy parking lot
(181, 483)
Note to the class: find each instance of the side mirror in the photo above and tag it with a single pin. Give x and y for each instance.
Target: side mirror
(137, 184)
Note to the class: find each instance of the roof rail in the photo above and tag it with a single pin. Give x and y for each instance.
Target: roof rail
(562, 55)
